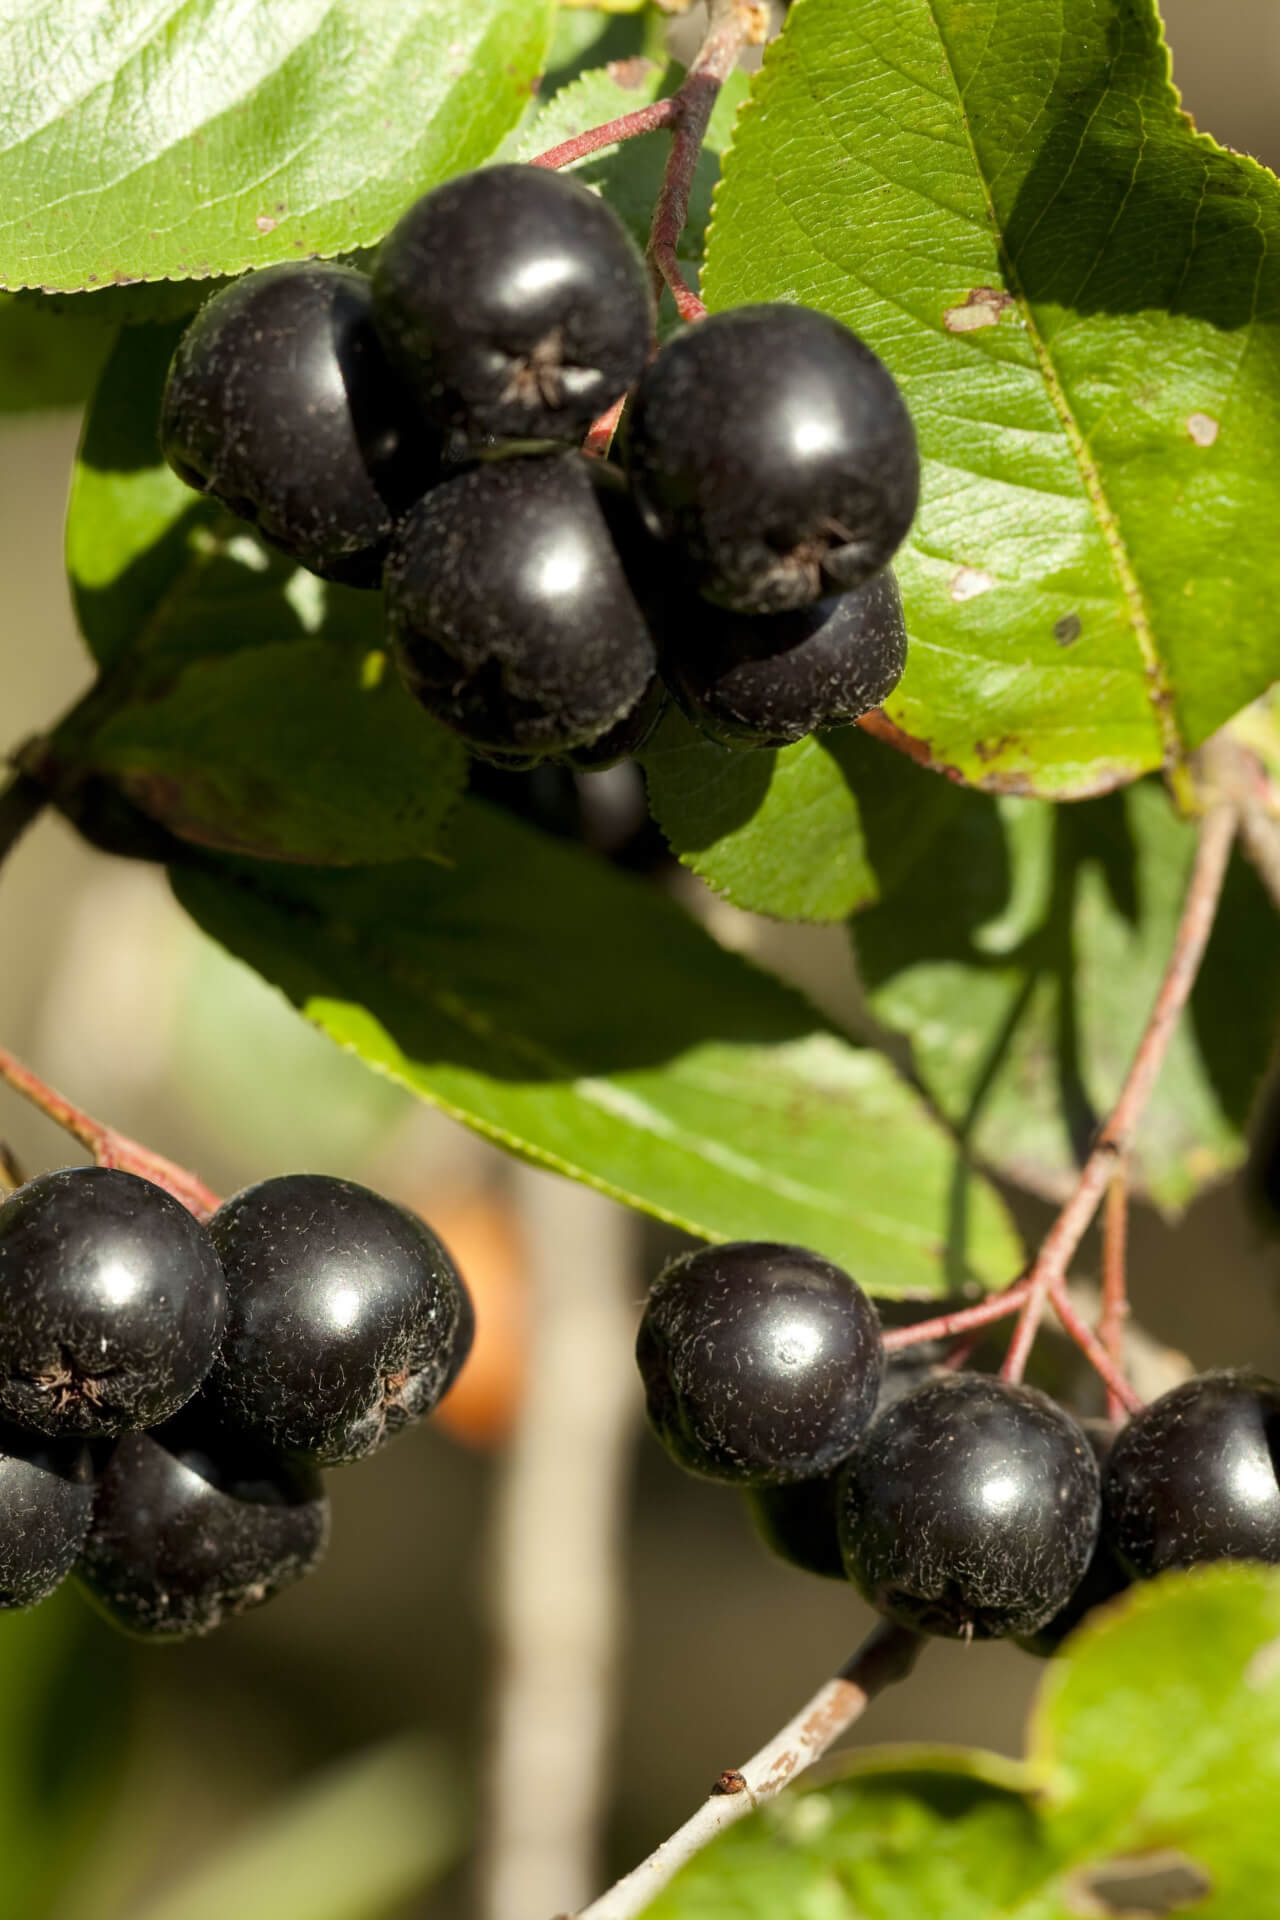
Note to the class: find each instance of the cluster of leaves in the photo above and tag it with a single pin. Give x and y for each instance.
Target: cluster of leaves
(1081, 298)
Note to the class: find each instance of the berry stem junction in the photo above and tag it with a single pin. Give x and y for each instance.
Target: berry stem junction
(887, 1655)
(108, 1148)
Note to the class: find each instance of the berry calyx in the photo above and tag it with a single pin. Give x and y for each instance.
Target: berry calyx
(774, 451)
(970, 1510)
(112, 1303)
(281, 404)
(1196, 1475)
(761, 1363)
(768, 679)
(46, 1503)
(509, 607)
(192, 1526)
(515, 302)
(346, 1319)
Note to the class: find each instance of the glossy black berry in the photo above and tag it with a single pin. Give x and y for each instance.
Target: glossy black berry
(46, 1503)
(761, 1363)
(515, 302)
(798, 1523)
(1104, 1578)
(112, 1303)
(970, 1510)
(347, 1318)
(281, 403)
(1196, 1475)
(509, 608)
(767, 679)
(772, 448)
(625, 737)
(191, 1526)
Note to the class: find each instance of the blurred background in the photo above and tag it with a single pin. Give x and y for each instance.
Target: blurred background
(343, 1730)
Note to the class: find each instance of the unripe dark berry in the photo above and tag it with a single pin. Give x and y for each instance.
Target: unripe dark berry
(970, 1509)
(46, 1503)
(112, 1303)
(772, 448)
(767, 679)
(509, 608)
(516, 303)
(191, 1526)
(761, 1363)
(1196, 1475)
(347, 1318)
(281, 404)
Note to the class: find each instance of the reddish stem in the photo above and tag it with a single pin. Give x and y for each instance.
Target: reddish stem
(650, 119)
(1115, 1288)
(1213, 854)
(600, 435)
(1094, 1352)
(109, 1148)
(963, 1320)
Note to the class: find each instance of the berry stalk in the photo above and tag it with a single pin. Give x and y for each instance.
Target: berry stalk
(1115, 1285)
(108, 1148)
(887, 1655)
(1213, 854)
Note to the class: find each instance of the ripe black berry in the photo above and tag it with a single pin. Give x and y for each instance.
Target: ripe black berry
(1196, 1475)
(281, 404)
(111, 1303)
(1104, 1577)
(516, 303)
(773, 449)
(191, 1526)
(46, 1502)
(627, 736)
(509, 607)
(798, 1522)
(770, 678)
(970, 1509)
(346, 1320)
(761, 1363)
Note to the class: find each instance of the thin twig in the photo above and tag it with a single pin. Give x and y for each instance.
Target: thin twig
(1213, 854)
(731, 25)
(1077, 1329)
(11, 1175)
(650, 119)
(108, 1148)
(887, 1655)
(557, 1582)
(1115, 1284)
(963, 1320)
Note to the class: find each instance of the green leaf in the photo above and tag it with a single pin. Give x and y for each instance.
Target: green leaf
(580, 1018)
(1154, 1765)
(65, 1699)
(244, 703)
(1081, 297)
(49, 359)
(352, 1844)
(1021, 952)
(179, 139)
(776, 831)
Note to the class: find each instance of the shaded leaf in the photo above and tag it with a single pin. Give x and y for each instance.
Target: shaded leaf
(244, 703)
(1021, 952)
(1153, 1770)
(49, 359)
(221, 141)
(579, 1018)
(1081, 297)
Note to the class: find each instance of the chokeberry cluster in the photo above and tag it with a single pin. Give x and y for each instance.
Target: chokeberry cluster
(172, 1391)
(957, 1503)
(419, 428)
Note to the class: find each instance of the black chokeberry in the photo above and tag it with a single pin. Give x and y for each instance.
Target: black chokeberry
(112, 1303)
(767, 679)
(281, 403)
(46, 1503)
(347, 1319)
(626, 736)
(772, 448)
(1196, 1475)
(516, 303)
(191, 1526)
(970, 1509)
(509, 607)
(761, 1363)
(1104, 1578)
